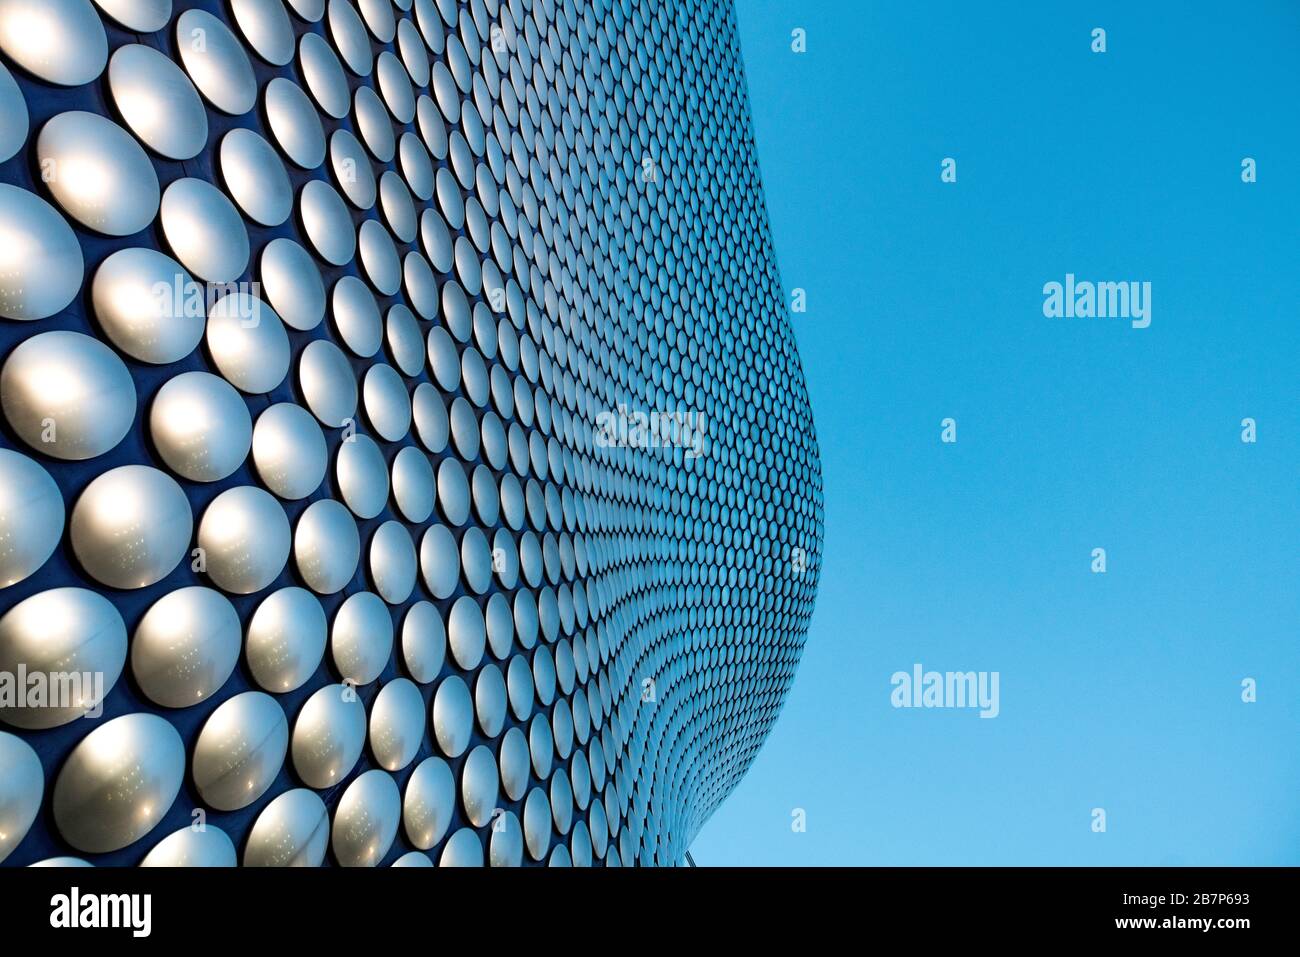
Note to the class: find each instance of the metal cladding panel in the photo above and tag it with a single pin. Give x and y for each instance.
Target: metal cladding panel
(404, 452)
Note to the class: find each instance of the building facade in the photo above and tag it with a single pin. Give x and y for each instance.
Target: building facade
(404, 452)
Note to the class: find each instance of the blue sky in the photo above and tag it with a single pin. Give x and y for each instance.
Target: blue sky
(1119, 690)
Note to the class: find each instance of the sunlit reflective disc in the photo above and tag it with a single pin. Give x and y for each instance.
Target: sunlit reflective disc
(248, 342)
(42, 265)
(62, 41)
(256, 178)
(210, 847)
(22, 783)
(294, 123)
(13, 115)
(216, 62)
(118, 782)
(289, 451)
(204, 230)
(292, 831)
(361, 638)
(148, 305)
(71, 631)
(97, 173)
(31, 516)
(157, 101)
(131, 526)
(200, 426)
(185, 646)
(328, 735)
(286, 639)
(245, 539)
(366, 819)
(240, 750)
(292, 284)
(67, 395)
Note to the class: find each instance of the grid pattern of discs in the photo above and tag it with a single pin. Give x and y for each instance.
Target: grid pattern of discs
(313, 318)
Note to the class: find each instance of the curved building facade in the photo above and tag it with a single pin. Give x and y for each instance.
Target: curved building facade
(404, 452)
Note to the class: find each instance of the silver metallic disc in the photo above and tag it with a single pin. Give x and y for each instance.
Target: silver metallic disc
(387, 404)
(328, 736)
(439, 561)
(245, 539)
(216, 62)
(265, 25)
(13, 115)
(490, 700)
(429, 802)
(392, 562)
(186, 646)
(463, 849)
(286, 639)
(479, 786)
(240, 751)
(399, 208)
(424, 642)
(255, 178)
(157, 101)
(361, 638)
(131, 526)
(362, 475)
(515, 763)
(372, 120)
(349, 35)
(22, 784)
(326, 546)
(67, 395)
(379, 257)
(506, 846)
(60, 41)
(366, 819)
(200, 426)
(430, 416)
(204, 230)
(70, 630)
(352, 169)
(292, 283)
(397, 724)
(43, 262)
(148, 305)
(327, 222)
(413, 859)
(97, 173)
(328, 383)
(453, 716)
(309, 10)
(404, 339)
(537, 824)
(210, 847)
(118, 783)
(141, 16)
(294, 123)
(31, 516)
(292, 831)
(466, 632)
(248, 343)
(289, 451)
(413, 484)
(324, 75)
(356, 316)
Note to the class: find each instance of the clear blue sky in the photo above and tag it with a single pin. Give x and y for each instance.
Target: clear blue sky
(1121, 690)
